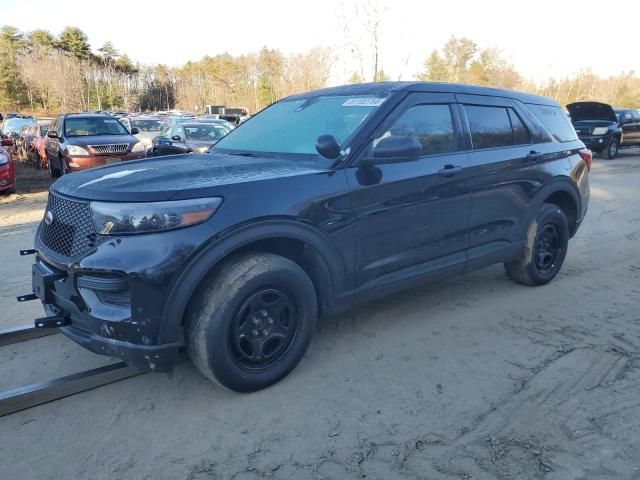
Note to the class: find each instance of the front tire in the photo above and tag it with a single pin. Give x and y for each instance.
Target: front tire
(612, 148)
(252, 322)
(545, 248)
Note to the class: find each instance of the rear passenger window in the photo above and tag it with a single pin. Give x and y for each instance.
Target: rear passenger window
(556, 121)
(490, 127)
(431, 125)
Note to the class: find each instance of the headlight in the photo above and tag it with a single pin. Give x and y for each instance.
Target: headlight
(113, 218)
(4, 158)
(138, 147)
(76, 151)
(202, 149)
(600, 131)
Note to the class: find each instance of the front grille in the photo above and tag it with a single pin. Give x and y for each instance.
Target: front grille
(583, 131)
(110, 148)
(71, 233)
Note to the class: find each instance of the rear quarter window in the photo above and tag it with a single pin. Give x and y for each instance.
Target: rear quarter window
(556, 122)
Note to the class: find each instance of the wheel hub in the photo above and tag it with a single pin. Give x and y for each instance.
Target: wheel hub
(547, 247)
(263, 328)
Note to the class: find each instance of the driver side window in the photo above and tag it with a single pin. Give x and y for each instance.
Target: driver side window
(431, 125)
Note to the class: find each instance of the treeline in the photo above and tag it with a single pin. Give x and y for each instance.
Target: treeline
(461, 60)
(47, 74)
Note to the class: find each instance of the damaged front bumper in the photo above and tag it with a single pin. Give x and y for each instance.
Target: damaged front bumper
(91, 310)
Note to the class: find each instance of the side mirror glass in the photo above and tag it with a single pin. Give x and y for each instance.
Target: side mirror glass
(397, 149)
(134, 131)
(328, 146)
(176, 138)
(52, 134)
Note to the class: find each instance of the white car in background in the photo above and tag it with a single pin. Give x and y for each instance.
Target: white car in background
(148, 128)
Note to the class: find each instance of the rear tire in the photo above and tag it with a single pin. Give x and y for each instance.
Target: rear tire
(612, 148)
(545, 248)
(252, 321)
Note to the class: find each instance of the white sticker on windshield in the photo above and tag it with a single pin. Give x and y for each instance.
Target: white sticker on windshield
(363, 102)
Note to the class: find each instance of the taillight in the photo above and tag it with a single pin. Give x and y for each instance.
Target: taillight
(587, 156)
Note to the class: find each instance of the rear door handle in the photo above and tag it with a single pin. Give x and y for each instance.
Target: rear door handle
(450, 170)
(533, 156)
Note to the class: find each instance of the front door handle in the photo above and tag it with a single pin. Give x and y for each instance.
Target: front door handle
(450, 170)
(533, 156)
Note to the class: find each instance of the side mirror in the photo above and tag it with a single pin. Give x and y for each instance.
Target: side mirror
(134, 131)
(397, 149)
(52, 134)
(176, 138)
(7, 142)
(328, 146)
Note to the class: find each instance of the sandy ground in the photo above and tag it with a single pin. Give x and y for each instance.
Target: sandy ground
(475, 377)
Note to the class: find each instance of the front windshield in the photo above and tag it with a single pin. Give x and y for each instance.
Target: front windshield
(85, 126)
(204, 133)
(148, 125)
(293, 126)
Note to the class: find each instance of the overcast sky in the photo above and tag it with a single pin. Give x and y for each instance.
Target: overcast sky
(540, 37)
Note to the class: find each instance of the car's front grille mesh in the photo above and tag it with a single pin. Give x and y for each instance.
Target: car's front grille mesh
(70, 232)
(110, 148)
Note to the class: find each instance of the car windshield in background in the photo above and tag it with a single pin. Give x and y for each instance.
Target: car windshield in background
(85, 126)
(204, 132)
(293, 126)
(14, 124)
(148, 125)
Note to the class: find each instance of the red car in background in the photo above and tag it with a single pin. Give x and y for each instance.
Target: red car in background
(7, 170)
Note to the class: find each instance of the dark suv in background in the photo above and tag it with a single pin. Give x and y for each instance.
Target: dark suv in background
(604, 129)
(84, 140)
(321, 201)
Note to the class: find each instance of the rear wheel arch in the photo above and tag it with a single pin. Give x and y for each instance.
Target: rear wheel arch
(298, 242)
(561, 192)
(568, 204)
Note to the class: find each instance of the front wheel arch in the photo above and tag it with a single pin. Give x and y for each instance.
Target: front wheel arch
(324, 266)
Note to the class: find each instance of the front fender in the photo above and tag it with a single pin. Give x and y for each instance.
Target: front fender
(331, 272)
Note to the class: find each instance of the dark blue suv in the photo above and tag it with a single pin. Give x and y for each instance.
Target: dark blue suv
(321, 201)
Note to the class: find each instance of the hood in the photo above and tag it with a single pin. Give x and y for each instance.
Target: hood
(146, 135)
(199, 143)
(591, 111)
(162, 178)
(85, 140)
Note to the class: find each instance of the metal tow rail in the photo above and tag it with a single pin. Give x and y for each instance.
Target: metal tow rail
(21, 398)
(24, 333)
(28, 396)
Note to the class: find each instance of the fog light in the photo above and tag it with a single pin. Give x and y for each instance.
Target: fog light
(3, 183)
(600, 140)
(74, 164)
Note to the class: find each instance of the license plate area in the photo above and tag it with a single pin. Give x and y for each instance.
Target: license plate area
(111, 160)
(42, 279)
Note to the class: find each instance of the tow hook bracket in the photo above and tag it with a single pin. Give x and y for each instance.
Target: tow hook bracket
(26, 298)
(52, 322)
(28, 251)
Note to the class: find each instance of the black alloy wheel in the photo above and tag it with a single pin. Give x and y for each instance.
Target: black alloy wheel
(547, 247)
(263, 328)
